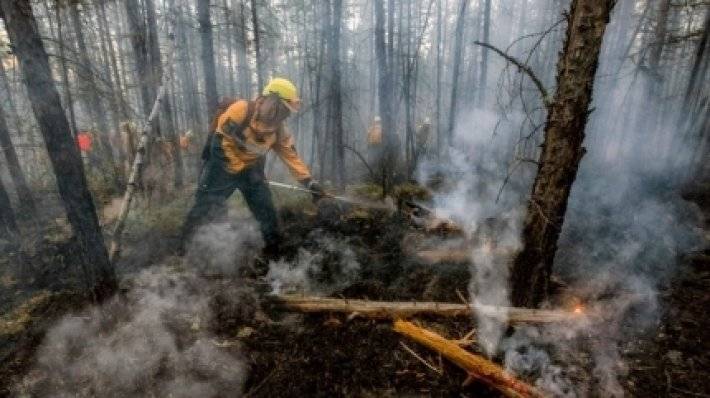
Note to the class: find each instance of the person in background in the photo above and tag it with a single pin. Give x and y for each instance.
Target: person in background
(374, 142)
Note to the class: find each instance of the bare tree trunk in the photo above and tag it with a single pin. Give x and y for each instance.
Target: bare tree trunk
(562, 151)
(336, 97)
(700, 57)
(185, 72)
(136, 25)
(385, 94)
(10, 99)
(27, 203)
(63, 152)
(95, 105)
(115, 100)
(203, 16)
(167, 120)
(458, 53)
(484, 56)
(439, 44)
(8, 222)
(231, 26)
(242, 59)
(257, 47)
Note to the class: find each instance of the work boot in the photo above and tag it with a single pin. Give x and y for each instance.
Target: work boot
(270, 252)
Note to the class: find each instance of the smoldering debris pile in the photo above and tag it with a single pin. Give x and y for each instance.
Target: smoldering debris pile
(199, 328)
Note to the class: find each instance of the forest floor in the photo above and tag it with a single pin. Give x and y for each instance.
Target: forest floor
(282, 354)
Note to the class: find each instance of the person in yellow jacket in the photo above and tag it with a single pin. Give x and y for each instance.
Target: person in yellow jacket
(244, 131)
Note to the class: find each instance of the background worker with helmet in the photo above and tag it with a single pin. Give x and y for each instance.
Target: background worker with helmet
(234, 159)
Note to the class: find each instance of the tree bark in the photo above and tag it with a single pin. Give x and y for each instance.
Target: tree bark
(63, 151)
(562, 151)
(27, 203)
(439, 44)
(385, 96)
(242, 59)
(8, 222)
(458, 53)
(208, 64)
(336, 96)
(136, 25)
(167, 119)
(95, 105)
(257, 47)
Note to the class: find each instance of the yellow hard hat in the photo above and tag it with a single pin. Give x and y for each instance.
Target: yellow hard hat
(283, 88)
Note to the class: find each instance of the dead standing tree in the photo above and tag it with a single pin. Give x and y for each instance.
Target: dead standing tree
(63, 151)
(562, 150)
(203, 16)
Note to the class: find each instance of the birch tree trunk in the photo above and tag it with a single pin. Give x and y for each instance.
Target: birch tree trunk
(562, 151)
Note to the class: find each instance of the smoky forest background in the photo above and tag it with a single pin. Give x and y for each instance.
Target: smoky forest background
(519, 199)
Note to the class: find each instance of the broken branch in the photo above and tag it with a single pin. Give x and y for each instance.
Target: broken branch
(523, 68)
(477, 366)
(395, 309)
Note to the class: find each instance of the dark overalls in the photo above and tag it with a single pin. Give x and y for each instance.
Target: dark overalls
(217, 184)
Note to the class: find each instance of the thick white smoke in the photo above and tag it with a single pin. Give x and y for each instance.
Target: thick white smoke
(152, 342)
(624, 229)
(327, 267)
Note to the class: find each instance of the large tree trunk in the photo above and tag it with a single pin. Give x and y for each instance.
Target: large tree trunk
(27, 203)
(63, 152)
(203, 16)
(458, 53)
(562, 150)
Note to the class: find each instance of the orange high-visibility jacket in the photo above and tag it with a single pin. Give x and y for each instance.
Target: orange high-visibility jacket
(255, 141)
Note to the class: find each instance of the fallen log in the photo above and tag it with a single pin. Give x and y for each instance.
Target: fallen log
(475, 365)
(396, 310)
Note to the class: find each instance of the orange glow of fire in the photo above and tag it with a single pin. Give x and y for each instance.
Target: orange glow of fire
(578, 309)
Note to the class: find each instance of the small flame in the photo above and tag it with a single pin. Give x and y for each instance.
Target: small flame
(578, 309)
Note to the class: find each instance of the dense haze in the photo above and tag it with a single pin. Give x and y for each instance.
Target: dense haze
(647, 139)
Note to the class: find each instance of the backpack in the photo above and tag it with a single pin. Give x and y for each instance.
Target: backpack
(221, 108)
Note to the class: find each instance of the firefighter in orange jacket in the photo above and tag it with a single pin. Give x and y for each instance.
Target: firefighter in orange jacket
(234, 159)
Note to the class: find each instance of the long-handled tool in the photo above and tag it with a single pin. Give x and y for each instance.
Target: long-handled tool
(356, 202)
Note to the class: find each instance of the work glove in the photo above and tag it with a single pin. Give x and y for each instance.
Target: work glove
(316, 190)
